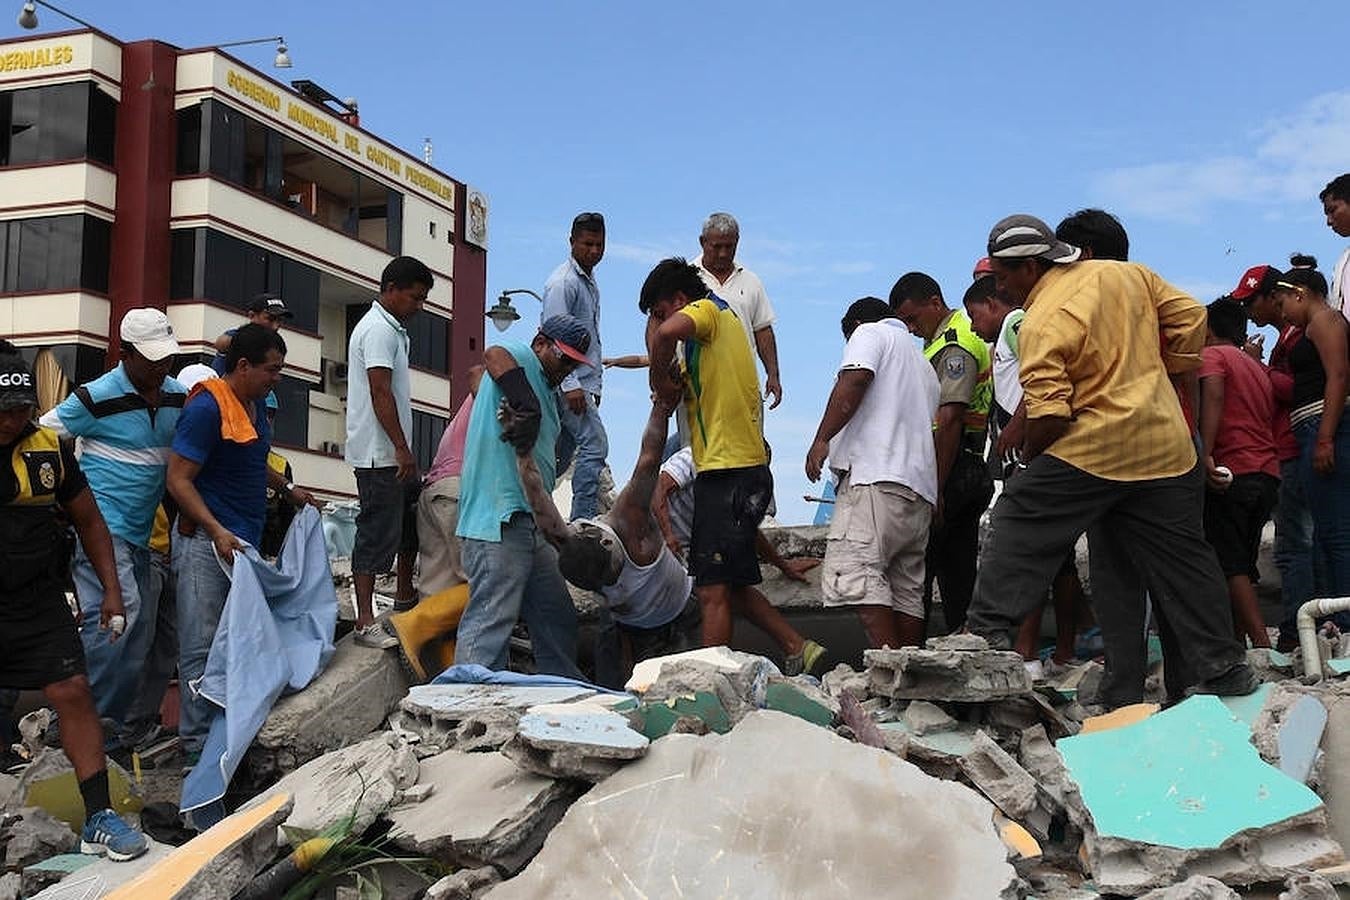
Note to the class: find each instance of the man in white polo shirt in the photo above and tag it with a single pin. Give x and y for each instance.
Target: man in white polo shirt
(877, 431)
(379, 440)
(743, 291)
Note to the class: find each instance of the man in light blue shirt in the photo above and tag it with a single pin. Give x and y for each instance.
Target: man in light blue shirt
(125, 421)
(379, 434)
(512, 569)
(571, 290)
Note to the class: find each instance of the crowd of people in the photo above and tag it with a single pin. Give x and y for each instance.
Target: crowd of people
(1108, 403)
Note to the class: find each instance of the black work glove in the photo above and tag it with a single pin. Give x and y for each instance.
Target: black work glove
(519, 415)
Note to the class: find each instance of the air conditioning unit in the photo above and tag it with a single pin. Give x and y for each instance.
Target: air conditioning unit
(334, 376)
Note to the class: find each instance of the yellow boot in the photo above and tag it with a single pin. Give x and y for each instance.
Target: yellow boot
(426, 633)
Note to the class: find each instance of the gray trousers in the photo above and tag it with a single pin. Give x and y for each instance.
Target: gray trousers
(1156, 523)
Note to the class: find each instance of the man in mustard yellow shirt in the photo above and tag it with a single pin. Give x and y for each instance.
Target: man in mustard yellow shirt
(719, 385)
(1105, 442)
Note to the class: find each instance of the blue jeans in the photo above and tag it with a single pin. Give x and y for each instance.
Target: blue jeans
(202, 589)
(507, 579)
(1299, 574)
(114, 666)
(1329, 501)
(585, 436)
(162, 658)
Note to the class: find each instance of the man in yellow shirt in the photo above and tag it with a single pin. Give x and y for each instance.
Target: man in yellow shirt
(1105, 442)
(720, 388)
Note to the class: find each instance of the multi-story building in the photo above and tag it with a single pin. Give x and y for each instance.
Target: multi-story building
(141, 174)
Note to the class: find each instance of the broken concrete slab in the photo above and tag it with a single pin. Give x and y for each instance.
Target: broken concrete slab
(355, 784)
(1300, 736)
(738, 815)
(51, 870)
(580, 741)
(32, 834)
(11, 884)
(1197, 887)
(466, 884)
(349, 700)
(1008, 786)
(1184, 791)
(922, 717)
(802, 697)
(844, 679)
(947, 674)
(103, 876)
(485, 811)
(1308, 886)
(1334, 775)
(1040, 758)
(939, 754)
(747, 666)
(1248, 708)
(475, 716)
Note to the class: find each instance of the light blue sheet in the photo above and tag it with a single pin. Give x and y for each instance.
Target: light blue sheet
(275, 635)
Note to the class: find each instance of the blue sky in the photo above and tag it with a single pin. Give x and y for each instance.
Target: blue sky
(854, 142)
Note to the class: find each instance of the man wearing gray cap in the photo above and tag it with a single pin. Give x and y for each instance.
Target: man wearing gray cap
(1105, 441)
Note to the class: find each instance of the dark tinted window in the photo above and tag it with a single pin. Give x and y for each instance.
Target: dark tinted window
(292, 422)
(211, 265)
(57, 123)
(184, 264)
(429, 342)
(189, 147)
(54, 253)
(426, 437)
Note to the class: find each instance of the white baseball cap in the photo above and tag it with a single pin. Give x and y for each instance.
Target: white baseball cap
(149, 331)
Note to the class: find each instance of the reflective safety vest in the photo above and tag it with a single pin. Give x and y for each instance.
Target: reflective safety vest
(959, 332)
(31, 539)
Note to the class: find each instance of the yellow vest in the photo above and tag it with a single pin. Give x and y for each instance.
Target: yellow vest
(31, 542)
(959, 332)
(37, 467)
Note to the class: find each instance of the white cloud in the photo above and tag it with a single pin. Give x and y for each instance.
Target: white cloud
(1290, 159)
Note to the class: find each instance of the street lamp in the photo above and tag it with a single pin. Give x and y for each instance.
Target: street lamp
(503, 313)
(28, 14)
(281, 61)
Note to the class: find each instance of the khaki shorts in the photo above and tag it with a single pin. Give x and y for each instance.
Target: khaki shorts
(875, 549)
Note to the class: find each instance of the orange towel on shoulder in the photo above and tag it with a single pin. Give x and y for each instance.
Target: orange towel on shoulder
(235, 424)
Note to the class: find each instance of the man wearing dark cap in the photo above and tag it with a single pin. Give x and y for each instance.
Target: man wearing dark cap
(264, 309)
(511, 566)
(1105, 442)
(571, 290)
(39, 643)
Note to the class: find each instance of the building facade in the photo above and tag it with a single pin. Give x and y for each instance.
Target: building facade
(141, 174)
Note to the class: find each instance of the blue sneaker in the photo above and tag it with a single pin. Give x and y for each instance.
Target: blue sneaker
(105, 832)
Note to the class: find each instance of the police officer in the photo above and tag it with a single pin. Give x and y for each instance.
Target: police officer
(40, 645)
(963, 365)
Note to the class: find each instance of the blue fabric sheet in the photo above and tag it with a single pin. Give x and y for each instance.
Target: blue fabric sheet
(475, 674)
(275, 636)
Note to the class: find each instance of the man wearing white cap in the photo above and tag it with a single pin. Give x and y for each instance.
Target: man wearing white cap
(125, 421)
(1105, 442)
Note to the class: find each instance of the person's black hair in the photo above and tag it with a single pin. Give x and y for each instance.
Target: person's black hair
(405, 271)
(1337, 188)
(588, 221)
(1311, 279)
(862, 311)
(914, 286)
(584, 561)
(981, 290)
(1228, 320)
(1096, 231)
(251, 342)
(1302, 261)
(670, 276)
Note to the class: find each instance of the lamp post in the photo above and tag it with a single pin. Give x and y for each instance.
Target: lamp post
(281, 61)
(28, 14)
(503, 313)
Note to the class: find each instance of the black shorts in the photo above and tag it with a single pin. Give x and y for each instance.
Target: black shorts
(1234, 519)
(39, 641)
(729, 504)
(387, 521)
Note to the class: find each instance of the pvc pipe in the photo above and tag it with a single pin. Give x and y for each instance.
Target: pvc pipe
(1307, 630)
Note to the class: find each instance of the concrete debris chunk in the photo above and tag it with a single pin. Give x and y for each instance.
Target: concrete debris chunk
(1197, 887)
(844, 679)
(1184, 791)
(11, 883)
(485, 811)
(348, 701)
(801, 696)
(939, 754)
(1288, 729)
(466, 884)
(964, 675)
(33, 834)
(475, 716)
(577, 740)
(924, 718)
(357, 783)
(744, 666)
(776, 808)
(1040, 758)
(1009, 786)
(1308, 886)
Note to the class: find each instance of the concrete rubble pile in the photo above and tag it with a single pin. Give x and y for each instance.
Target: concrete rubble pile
(937, 772)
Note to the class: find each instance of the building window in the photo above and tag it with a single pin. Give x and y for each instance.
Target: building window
(55, 253)
(214, 137)
(57, 123)
(429, 342)
(291, 426)
(426, 437)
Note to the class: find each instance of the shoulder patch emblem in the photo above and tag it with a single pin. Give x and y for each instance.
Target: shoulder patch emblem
(47, 475)
(954, 366)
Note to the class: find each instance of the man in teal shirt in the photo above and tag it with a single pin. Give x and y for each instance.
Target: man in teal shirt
(512, 569)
